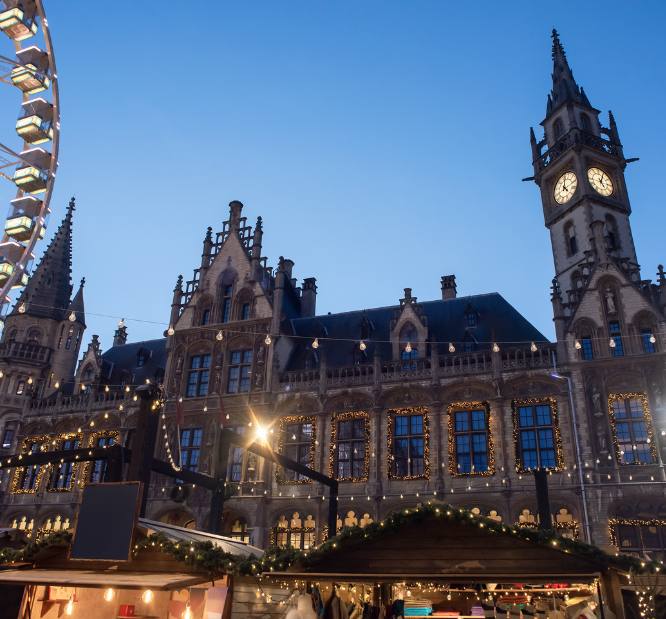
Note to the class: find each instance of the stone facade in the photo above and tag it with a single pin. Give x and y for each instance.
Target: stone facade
(246, 348)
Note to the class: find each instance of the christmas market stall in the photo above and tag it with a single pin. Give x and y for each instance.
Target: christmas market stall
(442, 561)
(167, 572)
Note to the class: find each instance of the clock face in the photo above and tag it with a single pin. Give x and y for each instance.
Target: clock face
(565, 187)
(600, 181)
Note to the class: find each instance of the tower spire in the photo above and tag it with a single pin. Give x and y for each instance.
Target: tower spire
(49, 289)
(565, 87)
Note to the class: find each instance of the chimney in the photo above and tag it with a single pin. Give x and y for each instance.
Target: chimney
(309, 297)
(287, 266)
(120, 336)
(235, 209)
(449, 287)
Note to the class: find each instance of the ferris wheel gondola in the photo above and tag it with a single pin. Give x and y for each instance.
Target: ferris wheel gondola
(31, 167)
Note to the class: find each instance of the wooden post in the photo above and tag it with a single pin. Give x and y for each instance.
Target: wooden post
(145, 436)
(543, 501)
(215, 523)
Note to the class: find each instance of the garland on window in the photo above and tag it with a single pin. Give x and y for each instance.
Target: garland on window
(284, 422)
(647, 418)
(415, 410)
(332, 460)
(75, 465)
(614, 523)
(559, 451)
(453, 458)
(92, 442)
(43, 441)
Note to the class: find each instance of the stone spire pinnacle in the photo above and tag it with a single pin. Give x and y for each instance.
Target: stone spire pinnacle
(49, 289)
(565, 87)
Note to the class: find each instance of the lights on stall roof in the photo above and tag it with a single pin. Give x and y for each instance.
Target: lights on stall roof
(108, 594)
(220, 335)
(577, 345)
(452, 348)
(147, 596)
(315, 343)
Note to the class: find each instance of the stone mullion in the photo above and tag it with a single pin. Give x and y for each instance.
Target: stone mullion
(438, 445)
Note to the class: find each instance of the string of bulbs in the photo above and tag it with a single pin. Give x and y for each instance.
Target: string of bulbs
(362, 343)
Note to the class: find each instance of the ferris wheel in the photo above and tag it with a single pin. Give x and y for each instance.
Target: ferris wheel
(32, 166)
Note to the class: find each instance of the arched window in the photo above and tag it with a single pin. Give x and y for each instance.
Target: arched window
(239, 530)
(34, 335)
(296, 532)
(408, 346)
(645, 326)
(570, 237)
(611, 232)
(584, 340)
(558, 128)
(227, 298)
(585, 123)
(205, 316)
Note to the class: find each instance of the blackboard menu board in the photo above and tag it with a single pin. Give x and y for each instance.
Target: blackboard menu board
(106, 522)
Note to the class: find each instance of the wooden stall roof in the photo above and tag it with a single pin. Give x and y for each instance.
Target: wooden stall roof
(100, 578)
(436, 548)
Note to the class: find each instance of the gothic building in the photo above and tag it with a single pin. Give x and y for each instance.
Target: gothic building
(457, 399)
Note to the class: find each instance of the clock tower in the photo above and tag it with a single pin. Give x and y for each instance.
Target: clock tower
(579, 167)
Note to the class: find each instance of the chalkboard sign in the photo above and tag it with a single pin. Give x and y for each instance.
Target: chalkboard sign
(106, 522)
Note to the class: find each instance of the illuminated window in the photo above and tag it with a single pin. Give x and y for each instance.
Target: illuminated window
(631, 423)
(297, 438)
(240, 371)
(350, 445)
(536, 435)
(470, 435)
(638, 536)
(62, 475)
(20, 387)
(99, 471)
(198, 376)
(239, 531)
(409, 440)
(296, 532)
(27, 477)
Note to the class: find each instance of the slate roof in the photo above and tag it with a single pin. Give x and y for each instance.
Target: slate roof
(120, 364)
(497, 320)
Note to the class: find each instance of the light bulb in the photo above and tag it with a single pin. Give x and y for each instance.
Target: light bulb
(577, 345)
(57, 385)
(362, 345)
(72, 317)
(106, 389)
(653, 339)
(30, 380)
(187, 613)
(127, 389)
(533, 347)
(21, 308)
(1, 373)
(69, 607)
(611, 343)
(452, 348)
(205, 409)
(170, 331)
(108, 595)
(220, 335)
(315, 344)
(268, 340)
(147, 596)
(496, 347)
(408, 348)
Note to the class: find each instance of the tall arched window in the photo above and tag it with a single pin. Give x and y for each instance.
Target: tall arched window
(570, 236)
(558, 128)
(612, 233)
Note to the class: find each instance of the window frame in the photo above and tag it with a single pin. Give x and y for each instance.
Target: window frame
(194, 445)
(647, 346)
(290, 533)
(351, 416)
(41, 443)
(469, 407)
(616, 336)
(198, 372)
(227, 303)
(614, 525)
(554, 424)
(68, 470)
(101, 466)
(646, 419)
(242, 370)
(281, 475)
(425, 433)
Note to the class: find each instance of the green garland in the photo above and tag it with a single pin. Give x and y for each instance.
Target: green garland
(208, 558)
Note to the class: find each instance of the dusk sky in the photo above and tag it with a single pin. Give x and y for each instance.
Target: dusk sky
(383, 143)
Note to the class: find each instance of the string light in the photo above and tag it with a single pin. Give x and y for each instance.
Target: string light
(72, 317)
(220, 335)
(315, 344)
(408, 348)
(69, 607)
(362, 345)
(268, 340)
(496, 347)
(577, 345)
(533, 347)
(452, 348)
(1, 373)
(108, 595)
(170, 331)
(147, 596)
(21, 308)
(611, 343)
(653, 339)
(187, 613)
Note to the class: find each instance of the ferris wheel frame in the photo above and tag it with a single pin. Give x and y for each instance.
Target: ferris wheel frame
(17, 250)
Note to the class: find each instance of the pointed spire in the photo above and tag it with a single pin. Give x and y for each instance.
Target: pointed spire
(49, 289)
(77, 306)
(565, 87)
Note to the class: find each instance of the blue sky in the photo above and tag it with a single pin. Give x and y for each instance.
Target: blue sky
(382, 142)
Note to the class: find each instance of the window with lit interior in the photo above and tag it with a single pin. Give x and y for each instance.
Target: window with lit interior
(409, 444)
(631, 424)
(350, 446)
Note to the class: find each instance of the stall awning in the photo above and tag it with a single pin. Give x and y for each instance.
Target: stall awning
(227, 544)
(100, 578)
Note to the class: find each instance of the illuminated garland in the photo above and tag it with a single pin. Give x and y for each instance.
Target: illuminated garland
(613, 523)
(647, 418)
(17, 480)
(332, 459)
(453, 456)
(75, 465)
(559, 451)
(284, 422)
(415, 410)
